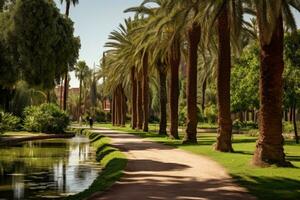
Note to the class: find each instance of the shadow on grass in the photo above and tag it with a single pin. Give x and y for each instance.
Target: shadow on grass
(270, 188)
(293, 158)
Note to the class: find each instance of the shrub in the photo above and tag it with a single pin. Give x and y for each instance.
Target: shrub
(47, 118)
(100, 116)
(8, 122)
(182, 117)
(237, 124)
(288, 127)
(210, 113)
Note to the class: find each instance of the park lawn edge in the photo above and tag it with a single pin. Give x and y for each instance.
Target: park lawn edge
(110, 158)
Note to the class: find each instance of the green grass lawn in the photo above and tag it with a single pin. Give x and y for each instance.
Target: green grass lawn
(20, 134)
(264, 183)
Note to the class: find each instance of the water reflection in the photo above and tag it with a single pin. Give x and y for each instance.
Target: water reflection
(47, 169)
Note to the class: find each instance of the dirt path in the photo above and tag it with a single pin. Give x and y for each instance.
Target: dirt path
(156, 171)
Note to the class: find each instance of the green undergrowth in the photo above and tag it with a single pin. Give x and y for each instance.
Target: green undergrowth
(273, 183)
(111, 159)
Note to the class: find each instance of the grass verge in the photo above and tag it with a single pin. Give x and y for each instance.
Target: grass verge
(111, 159)
(271, 183)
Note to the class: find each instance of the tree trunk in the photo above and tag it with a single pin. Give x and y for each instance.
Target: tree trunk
(241, 116)
(174, 62)
(145, 93)
(163, 102)
(295, 121)
(133, 99)
(223, 85)
(68, 4)
(286, 118)
(80, 91)
(61, 93)
(122, 107)
(118, 106)
(65, 97)
(291, 114)
(204, 85)
(139, 105)
(194, 34)
(113, 121)
(269, 146)
(48, 97)
(65, 92)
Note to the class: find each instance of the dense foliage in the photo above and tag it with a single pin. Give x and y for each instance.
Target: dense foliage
(47, 118)
(37, 45)
(8, 122)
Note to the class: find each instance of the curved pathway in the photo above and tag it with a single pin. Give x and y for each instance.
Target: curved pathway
(157, 171)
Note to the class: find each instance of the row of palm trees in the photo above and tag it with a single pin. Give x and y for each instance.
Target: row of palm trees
(165, 34)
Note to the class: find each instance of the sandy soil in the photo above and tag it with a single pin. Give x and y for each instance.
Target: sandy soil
(156, 171)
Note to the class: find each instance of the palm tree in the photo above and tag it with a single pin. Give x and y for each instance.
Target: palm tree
(229, 18)
(270, 15)
(65, 93)
(81, 71)
(145, 91)
(121, 64)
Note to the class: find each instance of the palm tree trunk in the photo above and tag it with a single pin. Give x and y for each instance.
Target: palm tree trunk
(295, 121)
(65, 92)
(163, 102)
(80, 91)
(113, 117)
(139, 106)
(174, 59)
(61, 93)
(204, 86)
(145, 93)
(66, 75)
(68, 4)
(286, 118)
(223, 85)
(269, 146)
(123, 107)
(133, 99)
(117, 107)
(194, 34)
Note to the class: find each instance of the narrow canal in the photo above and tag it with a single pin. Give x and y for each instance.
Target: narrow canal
(47, 169)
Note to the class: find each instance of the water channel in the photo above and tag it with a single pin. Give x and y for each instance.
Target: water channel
(47, 169)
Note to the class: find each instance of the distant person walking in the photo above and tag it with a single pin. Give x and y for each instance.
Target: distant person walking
(91, 121)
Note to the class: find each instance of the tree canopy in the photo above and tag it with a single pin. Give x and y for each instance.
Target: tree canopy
(42, 41)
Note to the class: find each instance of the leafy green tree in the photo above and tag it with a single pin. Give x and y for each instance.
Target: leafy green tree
(244, 81)
(291, 75)
(42, 41)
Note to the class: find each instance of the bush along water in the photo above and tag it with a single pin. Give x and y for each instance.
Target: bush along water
(9, 122)
(46, 118)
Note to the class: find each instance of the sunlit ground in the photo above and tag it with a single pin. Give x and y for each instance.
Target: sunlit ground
(265, 183)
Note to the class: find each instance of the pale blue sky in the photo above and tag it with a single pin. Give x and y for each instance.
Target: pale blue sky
(94, 20)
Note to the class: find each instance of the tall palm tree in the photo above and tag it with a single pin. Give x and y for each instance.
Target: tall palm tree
(270, 15)
(66, 83)
(122, 65)
(229, 20)
(81, 71)
(149, 40)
